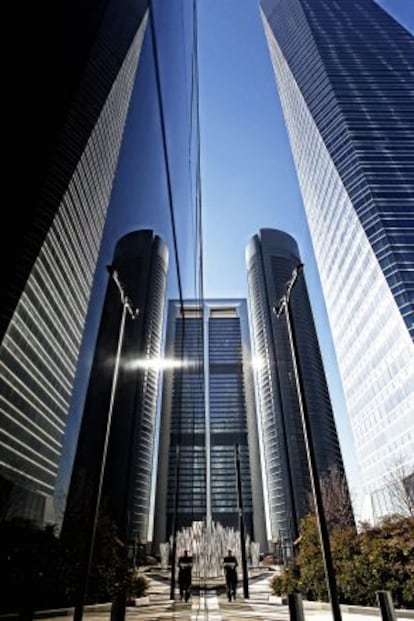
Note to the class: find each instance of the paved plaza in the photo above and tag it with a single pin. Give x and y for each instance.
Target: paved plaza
(212, 605)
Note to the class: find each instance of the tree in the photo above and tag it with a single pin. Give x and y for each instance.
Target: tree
(380, 557)
(336, 499)
(138, 583)
(400, 483)
(29, 565)
(312, 571)
(389, 548)
(286, 582)
(106, 567)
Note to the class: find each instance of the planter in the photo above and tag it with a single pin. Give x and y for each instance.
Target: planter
(278, 599)
(141, 601)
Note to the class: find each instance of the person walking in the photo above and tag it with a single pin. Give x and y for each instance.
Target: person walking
(230, 569)
(185, 565)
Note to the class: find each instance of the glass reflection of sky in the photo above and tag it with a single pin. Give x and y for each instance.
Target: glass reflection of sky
(140, 197)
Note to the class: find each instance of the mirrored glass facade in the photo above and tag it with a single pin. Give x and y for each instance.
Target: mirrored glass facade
(208, 409)
(119, 418)
(345, 74)
(40, 348)
(116, 130)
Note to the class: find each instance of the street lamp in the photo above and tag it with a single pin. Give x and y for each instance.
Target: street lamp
(126, 308)
(119, 604)
(242, 529)
(174, 522)
(133, 313)
(284, 307)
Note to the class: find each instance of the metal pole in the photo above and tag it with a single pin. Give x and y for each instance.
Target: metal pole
(119, 599)
(242, 530)
(174, 525)
(78, 610)
(293, 510)
(386, 606)
(310, 453)
(295, 607)
(86, 566)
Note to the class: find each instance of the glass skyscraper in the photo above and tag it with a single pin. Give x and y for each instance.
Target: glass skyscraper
(271, 257)
(118, 68)
(109, 116)
(345, 75)
(46, 306)
(208, 408)
(141, 266)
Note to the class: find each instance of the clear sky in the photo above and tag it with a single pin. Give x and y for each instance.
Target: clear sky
(248, 177)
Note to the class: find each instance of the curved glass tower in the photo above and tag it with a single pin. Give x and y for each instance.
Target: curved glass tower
(345, 74)
(141, 264)
(271, 257)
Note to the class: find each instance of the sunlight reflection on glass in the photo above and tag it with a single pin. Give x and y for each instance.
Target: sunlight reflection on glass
(258, 362)
(158, 364)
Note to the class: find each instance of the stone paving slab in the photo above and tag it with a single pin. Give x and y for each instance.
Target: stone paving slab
(212, 605)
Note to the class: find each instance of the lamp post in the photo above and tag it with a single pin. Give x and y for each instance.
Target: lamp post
(242, 529)
(284, 307)
(174, 524)
(133, 313)
(119, 601)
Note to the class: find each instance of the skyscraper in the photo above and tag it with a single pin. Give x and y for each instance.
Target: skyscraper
(91, 149)
(271, 257)
(208, 408)
(72, 130)
(345, 75)
(95, 127)
(55, 246)
(140, 263)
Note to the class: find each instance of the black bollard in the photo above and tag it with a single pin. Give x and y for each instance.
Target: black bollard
(386, 606)
(295, 606)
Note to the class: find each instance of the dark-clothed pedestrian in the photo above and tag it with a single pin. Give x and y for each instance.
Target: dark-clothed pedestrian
(230, 569)
(185, 565)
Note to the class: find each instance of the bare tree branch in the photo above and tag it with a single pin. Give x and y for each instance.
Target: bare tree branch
(400, 483)
(336, 499)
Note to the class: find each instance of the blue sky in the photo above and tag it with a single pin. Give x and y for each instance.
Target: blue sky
(248, 177)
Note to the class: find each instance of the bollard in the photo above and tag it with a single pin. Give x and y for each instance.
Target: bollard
(386, 606)
(295, 607)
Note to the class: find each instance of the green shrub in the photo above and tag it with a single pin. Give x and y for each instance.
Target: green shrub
(286, 582)
(138, 583)
(377, 558)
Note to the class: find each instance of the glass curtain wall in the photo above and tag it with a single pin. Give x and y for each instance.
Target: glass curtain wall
(120, 155)
(344, 72)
